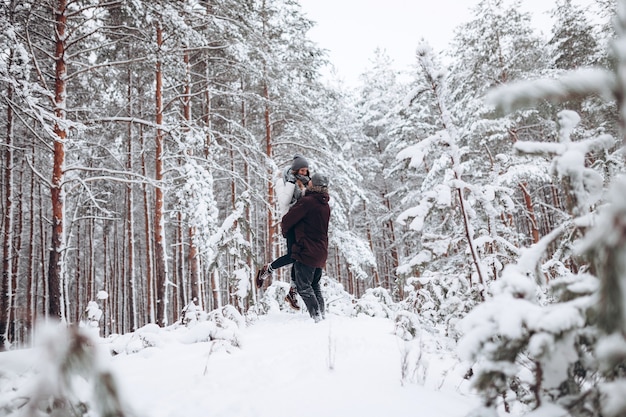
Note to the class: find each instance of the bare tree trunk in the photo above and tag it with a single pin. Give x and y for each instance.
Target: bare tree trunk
(194, 267)
(78, 273)
(159, 237)
(469, 234)
(199, 279)
(180, 295)
(393, 249)
(6, 297)
(42, 245)
(215, 285)
(55, 269)
(371, 243)
(148, 229)
(92, 261)
(119, 274)
(192, 255)
(270, 252)
(531, 213)
(32, 287)
(105, 283)
(130, 216)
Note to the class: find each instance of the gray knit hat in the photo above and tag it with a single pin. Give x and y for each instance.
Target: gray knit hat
(319, 180)
(299, 162)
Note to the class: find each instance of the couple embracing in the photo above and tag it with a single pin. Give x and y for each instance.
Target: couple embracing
(305, 226)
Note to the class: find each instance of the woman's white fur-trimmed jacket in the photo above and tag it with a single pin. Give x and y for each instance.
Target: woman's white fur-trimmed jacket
(287, 193)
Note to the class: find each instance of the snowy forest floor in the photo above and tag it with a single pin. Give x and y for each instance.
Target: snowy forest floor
(280, 364)
(288, 365)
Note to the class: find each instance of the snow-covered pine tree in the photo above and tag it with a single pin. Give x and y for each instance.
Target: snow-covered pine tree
(572, 341)
(547, 301)
(575, 43)
(498, 45)
(442, 208)
(373, 151)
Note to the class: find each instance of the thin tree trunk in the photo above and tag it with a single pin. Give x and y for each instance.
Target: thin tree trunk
(78, 273)
(55, 268)
(6, 299)
(42, 245)
(159, 239)
(469, 235)
(215, 284)
(270, 252)
(394, 250)
(192, 255)
(531, 213)
(130, 217)
(148, 229)
(371, 243)
(92, 260)
(107, 288)
(32, 287)
(271, 248)
(179, 296)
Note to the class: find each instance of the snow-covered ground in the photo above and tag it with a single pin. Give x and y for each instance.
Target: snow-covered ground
(284, 365)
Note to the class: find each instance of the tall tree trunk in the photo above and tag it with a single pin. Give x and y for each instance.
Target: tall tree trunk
(368, 231)
(6, 299)
(270, 252)
(149, 236)
(106, 284)
(18, 305)
(469, 234)
(390, 272)
(32, 287)
(246, 174)
(192, 255)
(159, 238)
(56, 267)
(91, 282)
(78, 274)
(130, 217)
(42, 246)
(194, 270)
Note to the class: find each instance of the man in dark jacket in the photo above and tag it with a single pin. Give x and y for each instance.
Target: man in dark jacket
(309, 219)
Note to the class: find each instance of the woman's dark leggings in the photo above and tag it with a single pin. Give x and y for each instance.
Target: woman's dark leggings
(286, 259)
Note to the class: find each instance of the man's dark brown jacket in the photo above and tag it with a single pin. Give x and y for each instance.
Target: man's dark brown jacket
(309, 218)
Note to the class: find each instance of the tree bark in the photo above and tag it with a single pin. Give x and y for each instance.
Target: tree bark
(192, 254)
(55, 269)
(6, 287)
(159, 238)
(148, 236)
(531, 213)
(270, 187)
(130, 218)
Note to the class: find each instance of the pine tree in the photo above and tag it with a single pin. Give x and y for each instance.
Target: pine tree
(573, 43)
(580, 320)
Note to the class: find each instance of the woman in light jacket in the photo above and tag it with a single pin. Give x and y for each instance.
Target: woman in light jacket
(293, 187)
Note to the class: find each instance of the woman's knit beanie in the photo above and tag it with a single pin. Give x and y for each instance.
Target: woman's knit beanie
(299, 162)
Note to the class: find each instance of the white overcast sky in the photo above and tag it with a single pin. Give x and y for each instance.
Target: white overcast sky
(352, 29)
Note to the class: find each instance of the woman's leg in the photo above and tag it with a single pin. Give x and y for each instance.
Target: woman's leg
(285, 259)
(282, 261)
